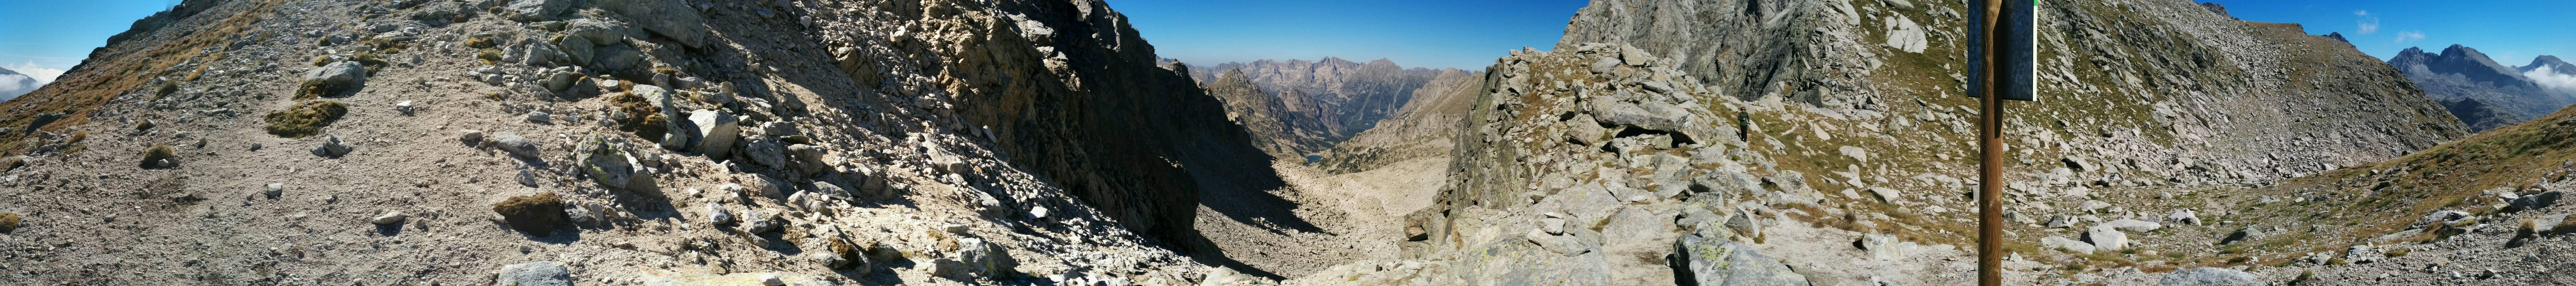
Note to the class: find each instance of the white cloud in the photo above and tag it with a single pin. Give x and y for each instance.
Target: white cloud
(11, 86)
(2369, 24)
(42, 74)
(2550, 78)
(2409, 35)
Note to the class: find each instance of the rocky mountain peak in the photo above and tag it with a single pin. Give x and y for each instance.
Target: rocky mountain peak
(2552, 63)
(2462, 72)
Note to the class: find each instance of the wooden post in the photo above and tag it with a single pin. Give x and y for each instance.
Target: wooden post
(2002, 55)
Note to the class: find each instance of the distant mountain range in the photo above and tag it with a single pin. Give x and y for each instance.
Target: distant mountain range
(13, 84)
(2483, 93)
(1299, 107)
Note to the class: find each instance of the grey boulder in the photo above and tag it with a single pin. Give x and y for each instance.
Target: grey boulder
(1712, 262)
(541, 273)
(331, 148)
(515, 145)
(537, 10)
(343, 73)
(2209, 276)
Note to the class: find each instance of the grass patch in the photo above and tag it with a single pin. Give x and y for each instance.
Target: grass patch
(481, 42)
(192, 76)
(8, 221)
(490, 57)
(305, 119)
(317, 88)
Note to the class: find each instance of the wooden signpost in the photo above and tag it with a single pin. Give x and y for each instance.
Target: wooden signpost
(2002, 52)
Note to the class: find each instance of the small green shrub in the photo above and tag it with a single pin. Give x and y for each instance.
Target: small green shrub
(640, 116)
(8, 222)
(489, 56)
(540, 214)
(480, 42)
(159, 157)
(305, 119)
(317, 88)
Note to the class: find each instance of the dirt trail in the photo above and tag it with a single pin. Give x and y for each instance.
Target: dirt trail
(1339, 218)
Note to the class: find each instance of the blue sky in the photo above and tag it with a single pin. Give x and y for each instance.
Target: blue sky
(56, 34)
(41, 35)
(2511, 31)
(1433, 33)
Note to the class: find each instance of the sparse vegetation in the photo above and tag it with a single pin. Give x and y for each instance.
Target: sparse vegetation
(639, 116)
(159, 157)
(539, 215)
(166, 89)
(480, 42)
(489, 56)
(192, 76)
(318, 88)
(8, 222)
(305, 119)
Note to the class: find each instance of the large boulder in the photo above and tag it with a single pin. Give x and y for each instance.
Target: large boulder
(515, 145)
(2106, 238)
(541, 273)
(669, 18)
(598, 32)
(1636, 254)
(2533, 202)
(2069, 245)
(609, 165)
(2209, 276)
(576, 48)
(537, 10)
(716, 132)
(1713, 262)
(2132, 225)
(343, 73)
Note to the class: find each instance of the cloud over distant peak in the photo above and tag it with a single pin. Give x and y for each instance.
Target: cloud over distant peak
(27, 78)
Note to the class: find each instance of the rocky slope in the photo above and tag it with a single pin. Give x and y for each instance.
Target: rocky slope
(2460, 72)
(1279, 129)
(620, 142)
(1825, 143)
(1425, 128)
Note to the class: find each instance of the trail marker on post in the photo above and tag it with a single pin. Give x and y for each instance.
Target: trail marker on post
(2002, 53)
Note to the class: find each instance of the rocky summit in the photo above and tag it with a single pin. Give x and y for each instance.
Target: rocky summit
(1034, 142)
(2480, 91)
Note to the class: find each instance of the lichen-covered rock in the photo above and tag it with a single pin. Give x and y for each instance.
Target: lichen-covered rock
(1726, 263)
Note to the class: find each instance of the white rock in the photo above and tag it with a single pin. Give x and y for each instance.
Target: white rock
(1904, 35)
(389, 218)
(771, 280)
